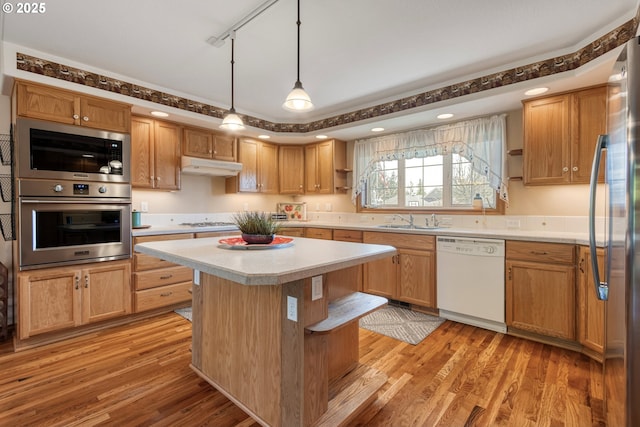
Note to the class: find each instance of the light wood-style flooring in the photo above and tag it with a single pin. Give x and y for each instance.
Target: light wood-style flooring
(139, 375)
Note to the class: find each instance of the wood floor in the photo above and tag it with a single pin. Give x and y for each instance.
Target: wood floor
(138, 375)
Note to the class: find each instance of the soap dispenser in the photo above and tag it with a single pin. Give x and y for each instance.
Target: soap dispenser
(477, 202)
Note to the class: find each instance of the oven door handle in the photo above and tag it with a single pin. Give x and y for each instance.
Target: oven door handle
(77, 201)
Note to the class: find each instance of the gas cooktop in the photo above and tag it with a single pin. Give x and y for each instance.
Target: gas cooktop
(208, 224)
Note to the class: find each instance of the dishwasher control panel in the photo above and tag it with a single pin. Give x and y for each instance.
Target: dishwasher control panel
(468, 246)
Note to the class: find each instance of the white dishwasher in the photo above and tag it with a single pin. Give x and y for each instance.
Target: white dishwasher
(470, 281)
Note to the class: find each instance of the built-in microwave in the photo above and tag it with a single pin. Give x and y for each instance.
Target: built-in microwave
(49, 150)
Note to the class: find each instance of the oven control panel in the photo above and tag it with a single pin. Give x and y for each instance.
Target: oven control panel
(45, 188)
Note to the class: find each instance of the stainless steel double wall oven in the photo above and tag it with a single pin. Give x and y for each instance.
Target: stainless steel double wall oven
(74, 194)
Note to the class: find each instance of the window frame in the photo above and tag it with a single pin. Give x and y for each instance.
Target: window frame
(447, 165)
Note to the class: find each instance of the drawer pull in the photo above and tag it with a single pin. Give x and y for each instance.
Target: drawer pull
(166, 294)
(166, 277)
(540, 252)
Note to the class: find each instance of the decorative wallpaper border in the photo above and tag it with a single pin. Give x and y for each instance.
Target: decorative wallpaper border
(568, 62)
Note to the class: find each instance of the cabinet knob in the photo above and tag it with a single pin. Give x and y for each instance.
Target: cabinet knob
(85, 118)
(76, 117)
(575, 169)
(565, 169)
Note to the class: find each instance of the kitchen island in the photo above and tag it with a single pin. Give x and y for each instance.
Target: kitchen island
(276, 330)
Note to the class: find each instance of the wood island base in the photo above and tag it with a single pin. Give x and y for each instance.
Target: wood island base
(284, 358)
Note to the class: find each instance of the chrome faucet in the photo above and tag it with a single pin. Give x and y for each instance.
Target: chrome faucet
(409, 221)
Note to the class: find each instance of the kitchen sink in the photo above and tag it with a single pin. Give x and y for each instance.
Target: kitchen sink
(408, 227)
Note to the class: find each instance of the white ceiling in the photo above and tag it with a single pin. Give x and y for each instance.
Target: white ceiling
(355, 53)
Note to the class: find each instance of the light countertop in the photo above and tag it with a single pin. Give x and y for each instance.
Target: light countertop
(305, 258)
(488, 233)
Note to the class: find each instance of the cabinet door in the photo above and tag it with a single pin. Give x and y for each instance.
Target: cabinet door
(142, 158)
(311, 168)
(198, 143)
(541, 298)
(224, 148)
(416, 277)
(546, 141)
(380, 277)
(588, 120)
(166, 150)
(590, 308)
(248, 156)
(46, 103)
(99, 113)
(291, 162)
(48, 301)
(268, 168)
(106, 291)
(325, 167)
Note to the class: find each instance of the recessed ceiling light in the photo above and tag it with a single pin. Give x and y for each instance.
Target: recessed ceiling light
(322, 136)
(377, 129)
(444, 116)
(536, 91)
(159, 114)
(264, 136)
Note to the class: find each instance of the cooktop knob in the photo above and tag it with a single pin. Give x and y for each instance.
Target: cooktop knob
(58, 188)
(102, 189)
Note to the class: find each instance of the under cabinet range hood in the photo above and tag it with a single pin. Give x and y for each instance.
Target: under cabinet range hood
(198, 166)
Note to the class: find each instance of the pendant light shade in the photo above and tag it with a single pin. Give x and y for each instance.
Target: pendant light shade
(298, 99)
(231, 120)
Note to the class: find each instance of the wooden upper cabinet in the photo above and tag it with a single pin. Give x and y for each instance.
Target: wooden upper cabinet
(167, 155)
(63, 106)
(325, 164)
(259, 172)
(560, 134)
(142, 165)
(209, 145)
(155, 154)
(291, 159)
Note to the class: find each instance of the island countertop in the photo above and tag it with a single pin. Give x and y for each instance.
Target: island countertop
(304, 258)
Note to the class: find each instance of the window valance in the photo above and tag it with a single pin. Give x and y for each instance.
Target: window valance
(482, 141)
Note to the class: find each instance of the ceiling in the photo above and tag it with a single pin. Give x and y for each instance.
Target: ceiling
(354, 54)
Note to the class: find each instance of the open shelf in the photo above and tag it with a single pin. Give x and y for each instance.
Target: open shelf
(347, 309)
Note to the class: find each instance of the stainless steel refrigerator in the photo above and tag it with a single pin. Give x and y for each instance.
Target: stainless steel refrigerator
(619, 283)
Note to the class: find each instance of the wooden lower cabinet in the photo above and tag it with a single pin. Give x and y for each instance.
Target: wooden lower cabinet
(590, 316)
(292, 231)
(409, 276)
(540, 288)
(53, 299)
(318, 233)
(355, 236)
(158, 283)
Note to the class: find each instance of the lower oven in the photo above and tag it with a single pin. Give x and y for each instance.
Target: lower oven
(64, 222)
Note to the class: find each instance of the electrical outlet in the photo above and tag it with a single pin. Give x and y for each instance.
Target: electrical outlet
(292, 308)
(316, 288)
(196, 277)
(144, 206)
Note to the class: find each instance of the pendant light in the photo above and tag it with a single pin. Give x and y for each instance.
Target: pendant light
(231, 120)
(298, 99)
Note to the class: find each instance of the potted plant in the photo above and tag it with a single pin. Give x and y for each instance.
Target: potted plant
(256, 227)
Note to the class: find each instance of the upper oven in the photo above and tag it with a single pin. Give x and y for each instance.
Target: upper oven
(72, 222)
(48, 150)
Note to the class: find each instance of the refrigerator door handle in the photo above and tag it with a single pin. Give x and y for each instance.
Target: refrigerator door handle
(602, 288)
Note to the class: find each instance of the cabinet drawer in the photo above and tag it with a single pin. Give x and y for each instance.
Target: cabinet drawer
(541, 252)
(142, 262)
(347, 235)
(399, 240)
(163, 296)
(205, 234)
(319, 233)
(162, 237)
(292, 231)
(161, 277)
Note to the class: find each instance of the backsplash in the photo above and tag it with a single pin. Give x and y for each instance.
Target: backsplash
(566, 224)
